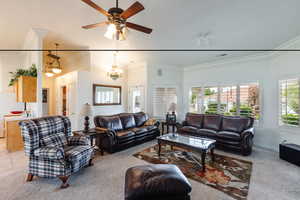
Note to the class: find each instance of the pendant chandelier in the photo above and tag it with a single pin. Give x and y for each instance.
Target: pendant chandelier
(115, 72)
(53, 66)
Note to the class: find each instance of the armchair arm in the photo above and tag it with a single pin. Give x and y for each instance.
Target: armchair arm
(51, 153)
(78, 141)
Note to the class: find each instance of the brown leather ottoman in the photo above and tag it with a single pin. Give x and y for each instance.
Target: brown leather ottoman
(156, 182)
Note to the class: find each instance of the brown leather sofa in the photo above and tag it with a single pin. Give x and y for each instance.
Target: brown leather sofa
(125, 130)
(230, 132)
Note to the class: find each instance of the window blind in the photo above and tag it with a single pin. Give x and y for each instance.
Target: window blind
(162, 100)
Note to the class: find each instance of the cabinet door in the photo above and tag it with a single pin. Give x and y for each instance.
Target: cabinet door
(26, 89)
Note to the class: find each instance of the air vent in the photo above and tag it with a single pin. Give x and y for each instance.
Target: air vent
(222, 55)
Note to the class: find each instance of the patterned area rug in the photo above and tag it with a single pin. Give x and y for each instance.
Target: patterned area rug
(229, 175)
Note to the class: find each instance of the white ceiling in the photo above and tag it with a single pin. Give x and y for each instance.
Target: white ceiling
(240, 24)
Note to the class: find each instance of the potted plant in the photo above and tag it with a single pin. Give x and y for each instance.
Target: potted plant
(32, 71)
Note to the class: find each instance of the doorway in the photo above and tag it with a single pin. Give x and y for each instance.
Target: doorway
(46, 103)
(136, 99)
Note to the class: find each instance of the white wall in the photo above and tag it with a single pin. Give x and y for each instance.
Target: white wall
(86, 79)
(137, 77)
(267, 70)
(9, 62)
(171, 77)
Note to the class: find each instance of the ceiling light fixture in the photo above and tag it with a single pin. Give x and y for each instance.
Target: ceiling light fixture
(48, 71)
(115, 72)
(56, 68)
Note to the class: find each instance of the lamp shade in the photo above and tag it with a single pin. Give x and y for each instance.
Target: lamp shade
(87, 110)
(172, 107)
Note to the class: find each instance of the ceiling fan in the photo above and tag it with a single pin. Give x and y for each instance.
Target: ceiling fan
(117, 20)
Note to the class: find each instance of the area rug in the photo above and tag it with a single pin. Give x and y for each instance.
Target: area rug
(226, 174)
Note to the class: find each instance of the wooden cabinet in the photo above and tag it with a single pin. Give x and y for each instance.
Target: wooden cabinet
(14, 140)
(25, 89)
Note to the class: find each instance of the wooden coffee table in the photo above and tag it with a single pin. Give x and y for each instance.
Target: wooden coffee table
(198, 144)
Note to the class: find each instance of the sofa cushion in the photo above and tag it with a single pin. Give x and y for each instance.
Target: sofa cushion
(139, 130)
(189, 129)
(234, 124)
(127, 120)
(207, 133)
(151, 128)
(111, 122)
(212, 122)
(124, 135)
(228, 135)
(194, 120)
(140, 118)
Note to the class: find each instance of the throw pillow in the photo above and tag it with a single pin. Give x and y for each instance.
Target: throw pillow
(55, 140)
(150, 122)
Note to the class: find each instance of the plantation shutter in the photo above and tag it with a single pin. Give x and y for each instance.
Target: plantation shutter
(162, 100)
(289, 102)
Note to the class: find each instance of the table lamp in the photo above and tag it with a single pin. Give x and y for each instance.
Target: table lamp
(86, 111)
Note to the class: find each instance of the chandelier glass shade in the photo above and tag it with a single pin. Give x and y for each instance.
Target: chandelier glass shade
(115, 72)
(48, 71)
(56, 66)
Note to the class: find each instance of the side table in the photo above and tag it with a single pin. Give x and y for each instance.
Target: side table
(168, 124)
(94, 135)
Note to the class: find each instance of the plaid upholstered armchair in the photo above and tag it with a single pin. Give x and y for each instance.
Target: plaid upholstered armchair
(52, 150)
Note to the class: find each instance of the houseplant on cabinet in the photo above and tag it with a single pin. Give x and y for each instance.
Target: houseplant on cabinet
(32, 71)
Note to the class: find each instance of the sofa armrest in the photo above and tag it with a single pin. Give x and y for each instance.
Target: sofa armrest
(157, 123)
(78, 141)
(247, 141)
(107, 132)
(50, 153)
(180, 125)
(248, 132)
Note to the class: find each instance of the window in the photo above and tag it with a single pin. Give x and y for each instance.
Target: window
(210, 100)
(227, 100)
(195, 100)
(249, 100)
(289, 102)
(163, 100)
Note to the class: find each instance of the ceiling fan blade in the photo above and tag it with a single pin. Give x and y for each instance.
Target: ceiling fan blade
(92, 4)
(139, 27)
(95, 25)
(132, 10)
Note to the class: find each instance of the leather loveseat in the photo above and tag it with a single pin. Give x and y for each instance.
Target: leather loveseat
(230, 132)
(125, 130)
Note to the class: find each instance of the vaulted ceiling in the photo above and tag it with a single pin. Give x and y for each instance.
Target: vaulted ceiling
(240, 24)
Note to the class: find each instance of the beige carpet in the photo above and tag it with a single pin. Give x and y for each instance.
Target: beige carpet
(271, 179)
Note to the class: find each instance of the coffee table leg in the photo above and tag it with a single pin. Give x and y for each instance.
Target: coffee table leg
(203, 156)
(159, 149)
(212, 151)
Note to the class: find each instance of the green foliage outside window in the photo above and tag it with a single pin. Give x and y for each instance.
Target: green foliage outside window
(291, 119)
